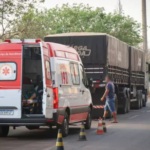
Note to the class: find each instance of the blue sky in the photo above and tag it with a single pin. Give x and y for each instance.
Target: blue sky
(130, 7)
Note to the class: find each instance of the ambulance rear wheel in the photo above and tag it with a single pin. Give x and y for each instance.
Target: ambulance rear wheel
(4, 130)
(65, 126)
(88, 121)
(32, 127)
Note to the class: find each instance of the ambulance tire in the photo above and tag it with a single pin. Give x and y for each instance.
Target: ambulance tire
(89, 120)
(65, 126)
(4, 130)
(32, 127)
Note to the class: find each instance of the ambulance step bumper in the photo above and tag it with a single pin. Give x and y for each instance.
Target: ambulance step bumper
(33, 121)
(26, 121)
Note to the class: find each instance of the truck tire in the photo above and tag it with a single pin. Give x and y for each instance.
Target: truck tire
(128, 105)
(4, 130)
(125, 104)
(141, 100)
(65, 126)
(144, 100)
(89, 120)
(116, 103)
(138, 102)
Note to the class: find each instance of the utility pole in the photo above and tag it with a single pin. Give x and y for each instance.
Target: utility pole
(145, 47)
(120, 7)
(144, 25)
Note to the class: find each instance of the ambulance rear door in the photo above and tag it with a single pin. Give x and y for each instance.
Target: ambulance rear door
(47, 81)
(10, 80)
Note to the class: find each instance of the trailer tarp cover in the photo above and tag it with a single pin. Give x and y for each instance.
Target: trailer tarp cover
(137, 59)
(95, 48)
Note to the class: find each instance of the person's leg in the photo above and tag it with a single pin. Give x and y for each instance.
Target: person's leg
(115, 117)
(111, 104)
(105, 111)
(105, 114)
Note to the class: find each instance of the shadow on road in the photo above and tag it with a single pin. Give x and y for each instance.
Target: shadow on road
(40, 134)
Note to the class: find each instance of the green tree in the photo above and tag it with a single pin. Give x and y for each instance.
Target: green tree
(79, 18)
(10, 12)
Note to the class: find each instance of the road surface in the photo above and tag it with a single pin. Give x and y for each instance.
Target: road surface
(131, 133)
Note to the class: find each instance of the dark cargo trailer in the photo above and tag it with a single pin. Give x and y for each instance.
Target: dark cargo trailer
(104, 55)
(101, 54)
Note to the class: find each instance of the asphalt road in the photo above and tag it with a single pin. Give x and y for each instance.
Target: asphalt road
(131, 133)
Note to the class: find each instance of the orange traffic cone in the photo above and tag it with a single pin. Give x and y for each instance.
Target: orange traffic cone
(100, 127)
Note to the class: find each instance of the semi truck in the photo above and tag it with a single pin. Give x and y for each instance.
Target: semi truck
(103, 55)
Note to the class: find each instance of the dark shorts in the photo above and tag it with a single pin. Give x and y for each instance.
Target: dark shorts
(110, 105)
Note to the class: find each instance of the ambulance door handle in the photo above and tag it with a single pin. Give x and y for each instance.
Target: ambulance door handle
(82, 91)
(48, 95)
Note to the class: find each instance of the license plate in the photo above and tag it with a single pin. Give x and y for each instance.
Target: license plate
(6, 112)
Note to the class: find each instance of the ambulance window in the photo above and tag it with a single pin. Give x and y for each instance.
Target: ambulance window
(48, 75)
(8, 71)
(83, 76)
(75, 73)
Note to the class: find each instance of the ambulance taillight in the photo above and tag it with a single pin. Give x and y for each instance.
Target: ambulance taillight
(7, 40)
(56, 98)
(38, 40)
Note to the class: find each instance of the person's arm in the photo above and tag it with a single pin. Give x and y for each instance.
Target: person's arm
(105, 94)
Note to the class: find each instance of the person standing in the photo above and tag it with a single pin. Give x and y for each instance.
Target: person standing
(110, 99)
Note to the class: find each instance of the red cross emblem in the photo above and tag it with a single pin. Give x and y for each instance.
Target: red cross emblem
(6, 71)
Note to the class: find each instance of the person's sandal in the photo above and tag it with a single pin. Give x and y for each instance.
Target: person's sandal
(114, 122)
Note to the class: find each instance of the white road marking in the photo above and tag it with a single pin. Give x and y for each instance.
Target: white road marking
(148, 111)
(49, 148)
(133, 117)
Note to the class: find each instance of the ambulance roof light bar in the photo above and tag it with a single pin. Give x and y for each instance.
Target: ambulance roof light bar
(23, 40)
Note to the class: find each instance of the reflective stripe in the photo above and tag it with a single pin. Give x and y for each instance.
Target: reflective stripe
(100, 128)
(92, 72)
(82, 133)
(99, 106)
(59, 135)
(59, 144)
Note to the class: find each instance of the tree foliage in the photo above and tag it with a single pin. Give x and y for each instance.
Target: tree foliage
(79, 18)
(10, 12)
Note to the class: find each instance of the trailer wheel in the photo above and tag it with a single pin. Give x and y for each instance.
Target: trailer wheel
(141, 100)
(144, 100)
(125, 103)
(138, 102)
(4, 130)
(116, 103)
(128, 105)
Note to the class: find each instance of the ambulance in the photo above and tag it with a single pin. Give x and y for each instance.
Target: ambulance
(42, 84)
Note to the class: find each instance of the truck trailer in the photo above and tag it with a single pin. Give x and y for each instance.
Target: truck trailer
(104, 55)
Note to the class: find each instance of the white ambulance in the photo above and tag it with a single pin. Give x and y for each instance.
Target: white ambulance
(42, 84)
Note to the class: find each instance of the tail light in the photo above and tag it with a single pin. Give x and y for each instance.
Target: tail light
(7, 40)
(38, 40)
(56, 99)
